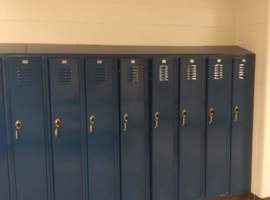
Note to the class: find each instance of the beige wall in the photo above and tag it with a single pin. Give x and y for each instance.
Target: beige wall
(156, 22)
(148, 22)
(252, 32)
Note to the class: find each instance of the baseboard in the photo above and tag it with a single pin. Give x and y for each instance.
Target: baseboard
(243, 197)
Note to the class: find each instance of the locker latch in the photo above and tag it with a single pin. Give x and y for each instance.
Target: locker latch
(157, 120)
(236, 113)
(57, 126)
(211, 115)
(92, 122)
(183, 117)
(18, 127)
(125, 122)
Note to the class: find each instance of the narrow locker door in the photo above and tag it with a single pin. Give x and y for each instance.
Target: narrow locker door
(242, 111)
(4, 180)
(27, 132)
(134, 129)
(102, 119)
(67, 131)
(218, 126)
(164, 128)
(192, 127)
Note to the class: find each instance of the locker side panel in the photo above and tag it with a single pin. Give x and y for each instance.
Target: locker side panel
(218, 126)
(24, 77)
(67, 131)
(102, 117)
(192, 128)
(242, 113)
(134, 129)
(4, 180)
(164, 128)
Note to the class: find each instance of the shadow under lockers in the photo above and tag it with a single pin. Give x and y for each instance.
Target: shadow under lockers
(126, 127)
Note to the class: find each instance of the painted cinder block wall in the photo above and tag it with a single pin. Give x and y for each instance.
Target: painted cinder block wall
(156, 22)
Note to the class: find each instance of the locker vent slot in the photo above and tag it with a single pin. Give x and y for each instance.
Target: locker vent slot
(100, 73)
(218, 71)
(134, 74)
(241, 72)
(192, 72)
(24, 76)
(65, 76)
(163, 73)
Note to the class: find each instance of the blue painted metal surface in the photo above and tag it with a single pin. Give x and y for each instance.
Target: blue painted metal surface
(218, 126)
(242, 109)
(24, 77)
(101, 76)
(164, 128)
(134, 129)
(68, 135)
(4, 180)
(192, 127)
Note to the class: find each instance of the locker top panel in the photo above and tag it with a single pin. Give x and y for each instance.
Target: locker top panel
(118, 50)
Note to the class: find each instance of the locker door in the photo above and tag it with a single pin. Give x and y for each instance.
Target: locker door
(134, 129)
(102, 109)
(67, 131)
(218, 126)
(164, 128)
(242, 110)
(27, 131)
(4, 180)
(192, 127)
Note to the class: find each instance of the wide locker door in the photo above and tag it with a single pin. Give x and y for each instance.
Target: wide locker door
(27, 132)
(67, 131)
(103, 135)
(4, 180)
(242, 111)
(164, 128)
(218, 126)
(134, 129)
(192, 127)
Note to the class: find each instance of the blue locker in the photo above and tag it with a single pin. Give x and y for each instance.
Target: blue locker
(27, 126)
(192, 127)
(218, 126)
(164, 128)
(242, 114)
(68, 149)
(4, 180)
(134, 129)
(103, 133)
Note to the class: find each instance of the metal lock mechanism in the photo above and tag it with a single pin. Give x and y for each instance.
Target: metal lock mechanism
(18, 128)
(92, 122)
(125, 122)
(211, 115)
(236, 113)
(184, 115)
(157, 120)
(57, 126)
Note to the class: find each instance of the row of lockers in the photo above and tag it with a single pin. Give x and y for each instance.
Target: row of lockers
(133, 128)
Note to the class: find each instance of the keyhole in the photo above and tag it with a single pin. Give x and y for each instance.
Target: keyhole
(18, 125)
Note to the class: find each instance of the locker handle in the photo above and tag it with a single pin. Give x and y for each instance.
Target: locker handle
(92, 122)
(211, 115)
(236, 113)
(57, 126)
(18, 127)
(157, 120)
(184, 117)
(125, 122)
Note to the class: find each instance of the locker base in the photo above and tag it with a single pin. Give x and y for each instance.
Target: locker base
(242, 197)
